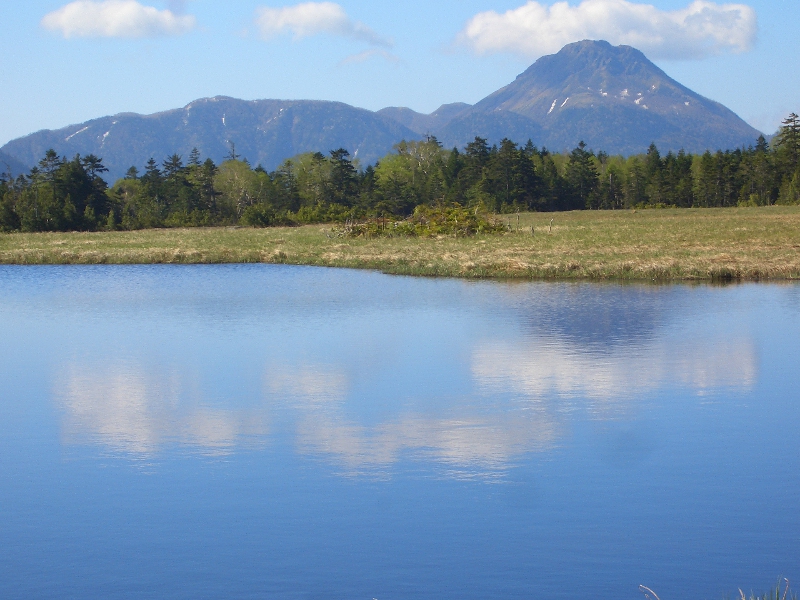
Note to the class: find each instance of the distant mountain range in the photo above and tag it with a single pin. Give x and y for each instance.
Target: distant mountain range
(613, 98)
(264, 131)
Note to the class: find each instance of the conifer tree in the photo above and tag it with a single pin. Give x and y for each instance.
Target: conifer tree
(49, 164)
(93, 166)
(232, 153)
(173, 165)
(788, 144)
(151, 171)
(343, 180)
(582, 175)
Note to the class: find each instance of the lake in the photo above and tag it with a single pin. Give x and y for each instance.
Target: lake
(264, 431)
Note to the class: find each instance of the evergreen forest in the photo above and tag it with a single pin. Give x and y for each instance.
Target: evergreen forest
(62, 194)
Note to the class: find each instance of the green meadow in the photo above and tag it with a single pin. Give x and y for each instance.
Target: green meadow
(747, 243)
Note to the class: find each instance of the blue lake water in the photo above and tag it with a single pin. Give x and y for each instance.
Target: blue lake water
(287, 432)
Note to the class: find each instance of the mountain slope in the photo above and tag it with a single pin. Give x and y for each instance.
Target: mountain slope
(493, 126)
(421, 123)
(265, 132)
(11, 165)
(615, 99)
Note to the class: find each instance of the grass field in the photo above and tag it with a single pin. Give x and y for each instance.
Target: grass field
(672, 244)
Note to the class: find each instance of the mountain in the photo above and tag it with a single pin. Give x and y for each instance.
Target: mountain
(264, 131)
(613, 98)
(10, 164)
(423, 124)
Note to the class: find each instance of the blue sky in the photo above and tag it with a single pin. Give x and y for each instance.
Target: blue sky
(66, 62)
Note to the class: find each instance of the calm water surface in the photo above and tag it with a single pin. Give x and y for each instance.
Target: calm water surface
(288, 432)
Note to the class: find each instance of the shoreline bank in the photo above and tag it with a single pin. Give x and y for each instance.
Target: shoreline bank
(745, 244)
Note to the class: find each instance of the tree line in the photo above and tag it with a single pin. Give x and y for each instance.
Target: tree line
(61, 194)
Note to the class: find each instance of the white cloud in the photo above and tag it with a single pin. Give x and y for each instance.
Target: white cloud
(701, 29)
(116, 18)
(312, 18)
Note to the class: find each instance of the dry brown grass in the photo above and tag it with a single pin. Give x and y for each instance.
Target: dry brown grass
(734, 243)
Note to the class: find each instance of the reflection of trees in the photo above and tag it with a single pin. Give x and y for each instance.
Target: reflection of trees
(599, 316)
(128, 409)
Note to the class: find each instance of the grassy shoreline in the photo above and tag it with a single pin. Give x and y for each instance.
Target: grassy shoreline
(672, 244)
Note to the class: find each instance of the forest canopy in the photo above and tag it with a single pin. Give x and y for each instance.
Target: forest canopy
(62, 194)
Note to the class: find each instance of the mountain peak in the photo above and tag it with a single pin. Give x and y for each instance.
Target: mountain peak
(592, 62)
(615, 98)
(611, 97)
(597, 46)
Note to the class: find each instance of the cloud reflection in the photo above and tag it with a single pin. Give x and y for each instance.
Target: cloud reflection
(129, 409)
(548, 366)
(525, 392)
(467, 440)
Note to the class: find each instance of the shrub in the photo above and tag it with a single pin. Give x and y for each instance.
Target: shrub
(425, 222)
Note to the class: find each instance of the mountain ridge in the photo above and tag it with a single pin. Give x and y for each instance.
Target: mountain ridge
(421, 123)
(263, 131)
(611, 97)
(632, 94)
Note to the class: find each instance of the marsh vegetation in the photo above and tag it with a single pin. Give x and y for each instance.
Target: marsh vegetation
(668, 244)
